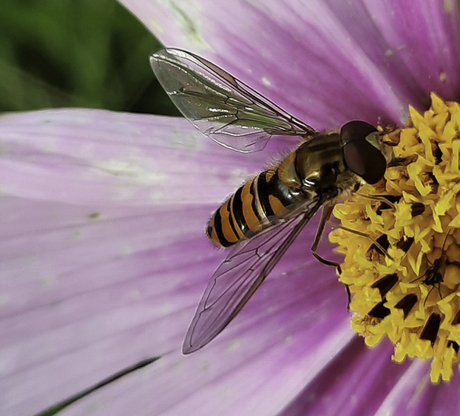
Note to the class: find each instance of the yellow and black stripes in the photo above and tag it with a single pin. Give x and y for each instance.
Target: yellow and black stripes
(255, 206)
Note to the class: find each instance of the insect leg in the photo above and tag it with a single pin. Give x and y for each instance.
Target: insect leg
(326, 214)
(375, 242)
(347, 288)
(402, 161)
(378, 198)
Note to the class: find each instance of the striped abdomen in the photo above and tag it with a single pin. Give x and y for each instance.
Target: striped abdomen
(257, 205)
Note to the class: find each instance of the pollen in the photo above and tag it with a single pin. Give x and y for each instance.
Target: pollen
(400, 240)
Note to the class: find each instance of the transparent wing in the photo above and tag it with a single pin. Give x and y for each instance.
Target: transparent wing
(239, 276)
(219, 105)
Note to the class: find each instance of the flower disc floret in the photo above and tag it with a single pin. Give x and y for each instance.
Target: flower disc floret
(404, 271)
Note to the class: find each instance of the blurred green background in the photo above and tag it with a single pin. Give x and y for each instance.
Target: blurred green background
(76, 53)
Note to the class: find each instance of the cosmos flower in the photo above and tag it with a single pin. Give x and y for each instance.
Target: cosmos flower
(103, 251)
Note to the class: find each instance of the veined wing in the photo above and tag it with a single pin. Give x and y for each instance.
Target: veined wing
(221, 106)
(238, 277)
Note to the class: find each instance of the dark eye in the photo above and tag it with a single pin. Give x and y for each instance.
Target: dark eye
(360, 156)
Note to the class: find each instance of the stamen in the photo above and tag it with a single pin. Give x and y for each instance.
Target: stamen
(379, 311)
(406, 304)
(407, 286)
(385, 283)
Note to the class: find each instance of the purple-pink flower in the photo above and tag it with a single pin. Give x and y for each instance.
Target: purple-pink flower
(103, 251)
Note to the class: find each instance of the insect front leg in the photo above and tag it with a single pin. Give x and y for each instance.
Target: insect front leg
(326, 214)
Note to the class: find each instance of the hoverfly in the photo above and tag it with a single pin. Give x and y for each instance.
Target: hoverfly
(264, 216)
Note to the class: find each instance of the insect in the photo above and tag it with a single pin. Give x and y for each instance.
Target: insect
(264, 216)
(433, 276)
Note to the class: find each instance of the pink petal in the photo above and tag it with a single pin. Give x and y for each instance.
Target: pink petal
(415, 395)
(99, 253)
(88, 157)
(353, 384)
(103, 216)
(259, 363)
(93, 282)
(325, 62)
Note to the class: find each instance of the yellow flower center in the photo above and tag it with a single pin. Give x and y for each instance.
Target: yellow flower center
(404, 277)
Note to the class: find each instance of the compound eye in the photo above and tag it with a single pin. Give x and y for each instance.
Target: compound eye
(356, 130)
(361, 156)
